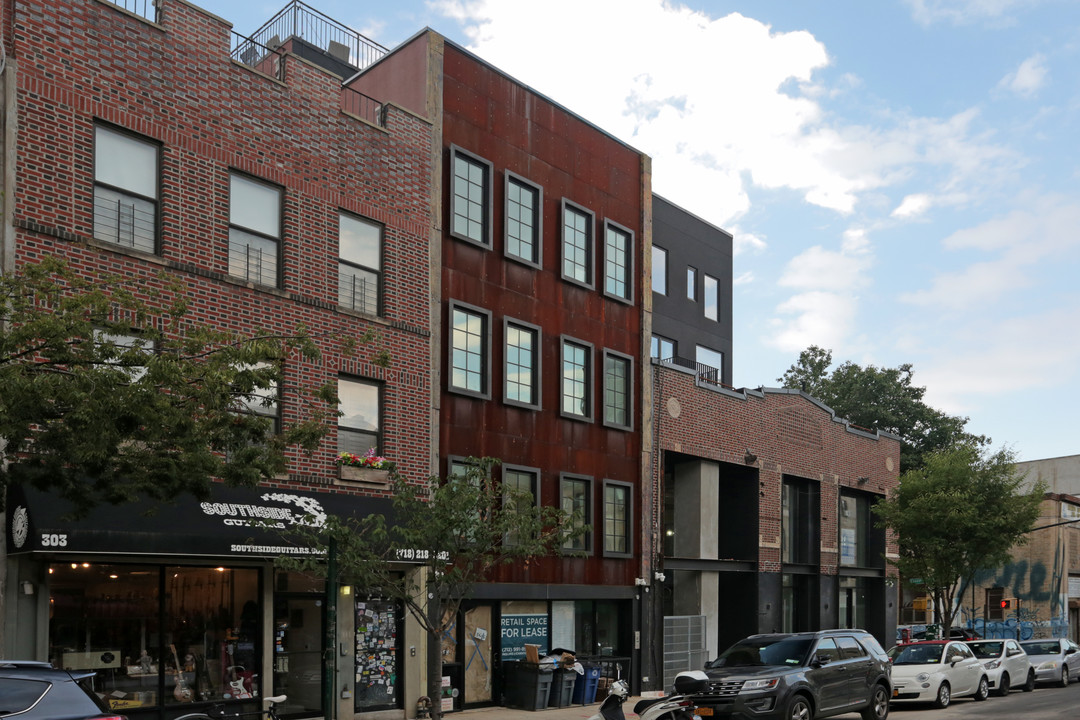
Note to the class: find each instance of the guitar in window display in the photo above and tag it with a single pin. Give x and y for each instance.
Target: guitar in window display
(181, 691)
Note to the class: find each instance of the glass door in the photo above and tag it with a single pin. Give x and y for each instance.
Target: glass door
(299, 628)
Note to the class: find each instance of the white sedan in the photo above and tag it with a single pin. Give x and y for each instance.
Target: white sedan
(1006, 664)
(1055, 660)
(937, 671)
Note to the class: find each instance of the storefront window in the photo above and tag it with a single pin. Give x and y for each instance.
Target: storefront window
(192, 631)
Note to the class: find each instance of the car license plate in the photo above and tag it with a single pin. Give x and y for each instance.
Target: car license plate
(703, 711)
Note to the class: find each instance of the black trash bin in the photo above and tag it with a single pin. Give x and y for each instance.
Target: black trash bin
(562, 688)
(528, 685)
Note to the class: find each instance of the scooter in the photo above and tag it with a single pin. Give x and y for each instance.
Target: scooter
(611, 708)
(677, 706)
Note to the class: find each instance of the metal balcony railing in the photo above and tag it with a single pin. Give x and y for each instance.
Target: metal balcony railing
(127, 221)
(253, 263)
(357, 292)
(300, 20)
(705, 373)
(143, 8)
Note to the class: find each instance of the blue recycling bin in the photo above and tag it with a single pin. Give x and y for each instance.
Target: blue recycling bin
(586, 684)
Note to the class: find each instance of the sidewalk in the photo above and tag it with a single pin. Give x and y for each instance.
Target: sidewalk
(571, 712)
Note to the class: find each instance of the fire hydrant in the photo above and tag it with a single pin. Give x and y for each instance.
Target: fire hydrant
(423, 707)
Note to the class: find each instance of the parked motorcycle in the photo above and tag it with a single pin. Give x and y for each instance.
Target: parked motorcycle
(611, 708)
(679, 705)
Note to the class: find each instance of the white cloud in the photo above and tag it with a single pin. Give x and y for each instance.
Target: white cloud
(743, 242)
(1028, 78)
(715, 135)
(813, 318)
(963, 12)
(998, 356)
(1043, 234)
(743, 279)
(913, 206)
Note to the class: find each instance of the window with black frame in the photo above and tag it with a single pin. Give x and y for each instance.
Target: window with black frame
(359, 264)
(254, 230)
(126, 179)
(360, 424)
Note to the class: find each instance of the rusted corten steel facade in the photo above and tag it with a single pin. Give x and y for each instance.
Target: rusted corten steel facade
(508, 133)
(490, 115)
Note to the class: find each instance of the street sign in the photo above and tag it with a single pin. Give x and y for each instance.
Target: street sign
(916, 581)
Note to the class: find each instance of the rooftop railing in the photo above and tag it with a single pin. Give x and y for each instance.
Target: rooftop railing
(359, 104)
(300, 20)
(705, 373)
(143, 8)
(255, 55)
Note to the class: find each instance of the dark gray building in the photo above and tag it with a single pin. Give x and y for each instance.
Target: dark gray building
(691, 282)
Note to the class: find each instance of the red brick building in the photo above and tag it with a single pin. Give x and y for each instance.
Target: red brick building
(280, 196)
(766, 499)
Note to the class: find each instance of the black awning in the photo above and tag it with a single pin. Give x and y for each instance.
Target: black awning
(234, 522)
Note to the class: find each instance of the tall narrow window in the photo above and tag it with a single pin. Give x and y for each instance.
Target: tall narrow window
(659, 270)
(691, 283)
(618, 389)
(257, 396)
(470, 207)
(522, 355)
(712, 298)
(576, 385)
(577, 245)
(800, 527)
(617, 514)
(360, 425)
(125, 189)
(575, 499)
(524, 202)
(618, 262)
(254, 230)
(469, 350)
(359, 264)
(520, 485)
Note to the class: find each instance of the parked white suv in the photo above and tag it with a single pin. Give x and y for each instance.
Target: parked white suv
(1007, 665)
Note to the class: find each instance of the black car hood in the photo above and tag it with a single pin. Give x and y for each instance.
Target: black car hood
(751, 671)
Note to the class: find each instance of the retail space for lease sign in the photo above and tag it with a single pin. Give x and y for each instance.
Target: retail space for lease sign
(521, 630)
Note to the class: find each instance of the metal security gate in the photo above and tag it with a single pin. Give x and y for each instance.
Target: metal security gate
(684, 646)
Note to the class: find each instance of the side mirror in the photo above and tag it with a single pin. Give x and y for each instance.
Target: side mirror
(819, 660)
(1070, 651)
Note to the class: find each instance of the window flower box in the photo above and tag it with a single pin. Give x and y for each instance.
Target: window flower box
(366, 475)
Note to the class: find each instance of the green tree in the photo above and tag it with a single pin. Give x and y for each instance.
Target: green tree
(108, 392)
(881, 399)
(453, 533)
(958, 514)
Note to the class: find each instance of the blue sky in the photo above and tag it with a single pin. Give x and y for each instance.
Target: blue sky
(900, 176)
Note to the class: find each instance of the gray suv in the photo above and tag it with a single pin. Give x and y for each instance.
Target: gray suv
(35, 691)
(799, 676)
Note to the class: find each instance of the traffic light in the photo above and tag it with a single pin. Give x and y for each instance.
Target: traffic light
(1006, 604)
